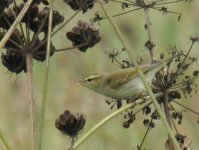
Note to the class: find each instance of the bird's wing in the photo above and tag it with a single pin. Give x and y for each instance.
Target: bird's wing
(118, 78)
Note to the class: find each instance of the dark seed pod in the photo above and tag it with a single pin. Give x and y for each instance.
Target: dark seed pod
(7, 18)
(40, 54)
(57, 18)
(4, 4)
(14, 61)
(83, 5)
(70, 124)
(85, 34)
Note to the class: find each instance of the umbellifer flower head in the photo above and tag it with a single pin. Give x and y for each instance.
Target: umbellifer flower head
(84, 35)
(83, 5)
(4, 4)
(70, 124)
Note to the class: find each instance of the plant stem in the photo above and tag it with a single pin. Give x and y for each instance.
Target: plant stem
(166, 110)
(103, 121)
(16, 22)
(70, 48)
(132, 57)
(31, 102)
(66, 22)
(145, 135)
(148, 28)
(4, 141)
(45, 83)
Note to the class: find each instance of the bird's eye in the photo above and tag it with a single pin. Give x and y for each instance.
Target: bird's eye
(89, 80)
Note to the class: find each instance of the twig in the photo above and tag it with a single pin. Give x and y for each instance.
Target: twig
(166, 110)
(181, 64)
(189, 109)
(132, 56)
(144, 138)
(148, 28)
(172, 119)
(56, 31)
(20, 24)
(4, 141)
(14, 25)
(66, 22)
(45, 84)
(70, 48)
(31, 102)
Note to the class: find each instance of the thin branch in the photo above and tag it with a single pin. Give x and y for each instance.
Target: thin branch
(148, 28)
(70, 48)
(65, 23)
(179, 68)
(132, 56)
(144, 138)
(165, 3)
(120, 2)
(16, 22)
(36, 36)
(172, 118)
(187, 108)
(166, 110)
(45, 84)
(28, 27)
(73, 139)
(4, 141)
(56, 31)
(20, 24)
(7, 21)
(166, 107)
(31, 102)
(120, 14)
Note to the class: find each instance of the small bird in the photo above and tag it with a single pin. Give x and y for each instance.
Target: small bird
(123, 83)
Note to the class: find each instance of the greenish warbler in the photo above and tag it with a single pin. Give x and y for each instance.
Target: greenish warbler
(123, 83)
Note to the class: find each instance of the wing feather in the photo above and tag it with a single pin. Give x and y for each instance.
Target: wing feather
(120, 77)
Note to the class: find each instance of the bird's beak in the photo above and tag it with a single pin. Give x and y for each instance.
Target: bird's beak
(79, 83)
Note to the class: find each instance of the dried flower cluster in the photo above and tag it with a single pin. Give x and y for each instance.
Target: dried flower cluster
(84, 35)
(70, 124)
(4, 4)
(80, 5)
(21, 42)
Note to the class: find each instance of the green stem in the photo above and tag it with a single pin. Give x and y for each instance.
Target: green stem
(132, 57)
(103, 121)
(3, 139)
(45, 84)
(16, 22)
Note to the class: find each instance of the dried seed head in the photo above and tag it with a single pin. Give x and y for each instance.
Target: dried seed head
(7, 18)
(85, 34)
(13, 61)
(31, 15)
(4, 4)
(82, 5)
(40, 54)
(45, 2)
(57, 19)
(180, 138)
(70, 124)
